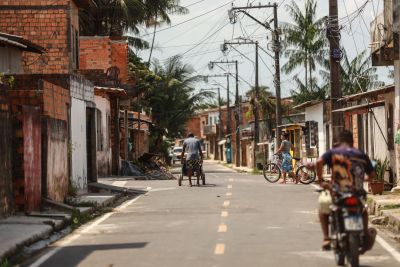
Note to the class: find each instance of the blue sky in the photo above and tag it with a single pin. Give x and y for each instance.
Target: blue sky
(199, 40)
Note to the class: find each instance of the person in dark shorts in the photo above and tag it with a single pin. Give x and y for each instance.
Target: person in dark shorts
(194, 157)
(349, 167)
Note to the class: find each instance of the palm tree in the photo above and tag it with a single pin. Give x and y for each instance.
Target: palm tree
(119, 17)
(172, 99)
(356, 75)
(305, 39)
(304, 94)
(265, 104)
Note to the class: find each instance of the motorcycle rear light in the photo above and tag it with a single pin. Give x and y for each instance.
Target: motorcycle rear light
(351, 201)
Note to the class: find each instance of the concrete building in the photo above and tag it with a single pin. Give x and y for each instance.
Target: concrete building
(385, 52)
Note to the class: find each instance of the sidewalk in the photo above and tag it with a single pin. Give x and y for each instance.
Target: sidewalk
(20, 231)
(384, 211)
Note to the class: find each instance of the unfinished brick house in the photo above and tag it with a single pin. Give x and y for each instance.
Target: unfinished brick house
(51, 98)
(11, 49)
(104, 60)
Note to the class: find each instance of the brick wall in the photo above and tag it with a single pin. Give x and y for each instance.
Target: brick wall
(46, 23)
(193, 126)
(94, 53)
(119, 58)
(102, 53)
(55, 100)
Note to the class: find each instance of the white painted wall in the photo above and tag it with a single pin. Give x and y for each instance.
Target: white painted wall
(78, 144)
(380, 150)
(104, 156)
(316, 113)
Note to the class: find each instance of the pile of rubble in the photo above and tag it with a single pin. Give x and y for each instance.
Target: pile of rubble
(149, 167)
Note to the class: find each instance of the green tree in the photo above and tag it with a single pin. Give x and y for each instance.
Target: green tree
(120, 17)
(306, 40)
(356, 75)
(265, 103)
(304, 94)
(172, 99)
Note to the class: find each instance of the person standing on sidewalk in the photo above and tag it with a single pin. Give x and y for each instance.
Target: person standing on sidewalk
(194, 157)
(285, 148)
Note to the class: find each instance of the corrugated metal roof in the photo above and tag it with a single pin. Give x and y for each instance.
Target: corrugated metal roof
(110, 90)
(373, 93)
(362, 106)
(20, 43)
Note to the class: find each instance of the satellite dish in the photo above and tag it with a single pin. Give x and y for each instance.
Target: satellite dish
(210, 66)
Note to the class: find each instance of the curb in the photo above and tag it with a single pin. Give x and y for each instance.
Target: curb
(385, 214)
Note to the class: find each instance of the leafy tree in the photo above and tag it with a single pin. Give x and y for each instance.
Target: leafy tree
(172, 99)
(356, 75)
(306, 40)
(265, 103)
(119, 17)
(304, 94)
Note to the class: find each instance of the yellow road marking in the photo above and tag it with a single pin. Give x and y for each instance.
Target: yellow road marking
(224, 213)
(226, 203)
(219, 249)
(228, 194)
(229, 186)
(222, 228)
(230, 179)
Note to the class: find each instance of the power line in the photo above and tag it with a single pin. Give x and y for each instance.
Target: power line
(188, 20)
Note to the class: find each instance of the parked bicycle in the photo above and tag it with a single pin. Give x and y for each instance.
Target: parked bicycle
(272, 171)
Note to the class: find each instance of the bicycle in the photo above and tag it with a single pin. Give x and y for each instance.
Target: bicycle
(272, 171)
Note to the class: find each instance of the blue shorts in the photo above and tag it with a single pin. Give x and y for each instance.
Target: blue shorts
(287, 162)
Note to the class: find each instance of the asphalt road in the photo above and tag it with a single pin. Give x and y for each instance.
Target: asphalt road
(235, 220)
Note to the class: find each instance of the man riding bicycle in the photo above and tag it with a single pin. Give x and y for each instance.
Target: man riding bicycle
(194, 156)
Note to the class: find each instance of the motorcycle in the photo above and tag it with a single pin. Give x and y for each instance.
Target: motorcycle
(346, 226)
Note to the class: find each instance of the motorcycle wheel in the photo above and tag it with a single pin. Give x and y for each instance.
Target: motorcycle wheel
(180, 178)
(271, 172)
(339, 258)
(353, 251)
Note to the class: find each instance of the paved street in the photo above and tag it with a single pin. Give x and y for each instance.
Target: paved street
(236, 220)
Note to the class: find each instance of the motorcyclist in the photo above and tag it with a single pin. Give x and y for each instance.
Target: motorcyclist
(194, 157)
(349, 168)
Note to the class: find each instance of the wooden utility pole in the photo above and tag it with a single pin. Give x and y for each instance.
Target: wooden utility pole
(334, 59)
(256, 96)
(277, 49)
(237, 106)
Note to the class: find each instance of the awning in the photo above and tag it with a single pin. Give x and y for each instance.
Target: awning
(222, 142)
(263, 143)
(21, 43)
(373, 93)
(362, 106)
(292, 124)
(110, 90)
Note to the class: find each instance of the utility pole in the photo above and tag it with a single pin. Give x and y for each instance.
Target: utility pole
(334, 59)
(276, 47)
(237, 107)
(228, 120)
(256, 95)
(237, 110)
(221, 128)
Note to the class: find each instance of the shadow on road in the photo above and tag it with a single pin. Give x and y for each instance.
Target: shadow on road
(73, 255)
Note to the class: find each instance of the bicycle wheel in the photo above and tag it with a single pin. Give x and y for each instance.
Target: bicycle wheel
(272, 172)
(305, 175)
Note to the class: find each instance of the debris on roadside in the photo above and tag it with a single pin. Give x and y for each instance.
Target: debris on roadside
(148, 167)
